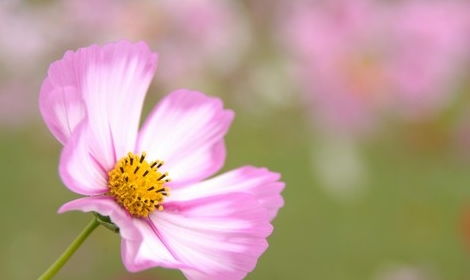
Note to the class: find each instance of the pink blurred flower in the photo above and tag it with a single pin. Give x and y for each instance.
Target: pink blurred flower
(23, 37)
(209, 228)
(357, 59)
(196, 35)
(430, 44)
(16, 107)
(90, 18)
(23, 43)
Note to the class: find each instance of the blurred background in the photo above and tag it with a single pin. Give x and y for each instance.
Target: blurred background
(363, 106)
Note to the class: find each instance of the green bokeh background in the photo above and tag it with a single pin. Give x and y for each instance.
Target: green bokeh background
(410, 212)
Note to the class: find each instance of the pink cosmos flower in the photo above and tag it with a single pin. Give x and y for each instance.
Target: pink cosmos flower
(209, 228)
(359, 59)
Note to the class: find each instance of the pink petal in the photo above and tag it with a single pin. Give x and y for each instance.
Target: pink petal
(186, 130)
(111, 81)
(148, 252)
(222, 236)
(260, 182)
(106, 207)
(61, 107)
(140, 247)
(79, 169)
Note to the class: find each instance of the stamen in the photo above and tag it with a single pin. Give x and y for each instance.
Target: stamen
(161, 177)
(140, 194)
(142, 157)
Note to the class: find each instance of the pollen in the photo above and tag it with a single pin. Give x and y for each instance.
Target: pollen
(138, 185)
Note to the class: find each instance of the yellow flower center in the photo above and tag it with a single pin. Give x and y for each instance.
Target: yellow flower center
(138, 185)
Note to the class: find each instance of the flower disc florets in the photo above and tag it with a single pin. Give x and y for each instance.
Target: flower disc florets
(138, 185)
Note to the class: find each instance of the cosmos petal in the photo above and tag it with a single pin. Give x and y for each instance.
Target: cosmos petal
(140, 247)
(106, 207)
(150, 251)
(260, 182)
(107, 85)
(221, 235)
(186, 130)
(61, 107)
(79, 169)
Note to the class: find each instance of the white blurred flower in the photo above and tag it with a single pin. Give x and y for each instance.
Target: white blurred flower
(403, 272)
(339, 168)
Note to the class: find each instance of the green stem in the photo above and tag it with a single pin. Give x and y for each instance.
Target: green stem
(57, 265)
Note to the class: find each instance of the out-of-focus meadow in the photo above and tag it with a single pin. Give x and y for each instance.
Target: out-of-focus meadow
(363, 106)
